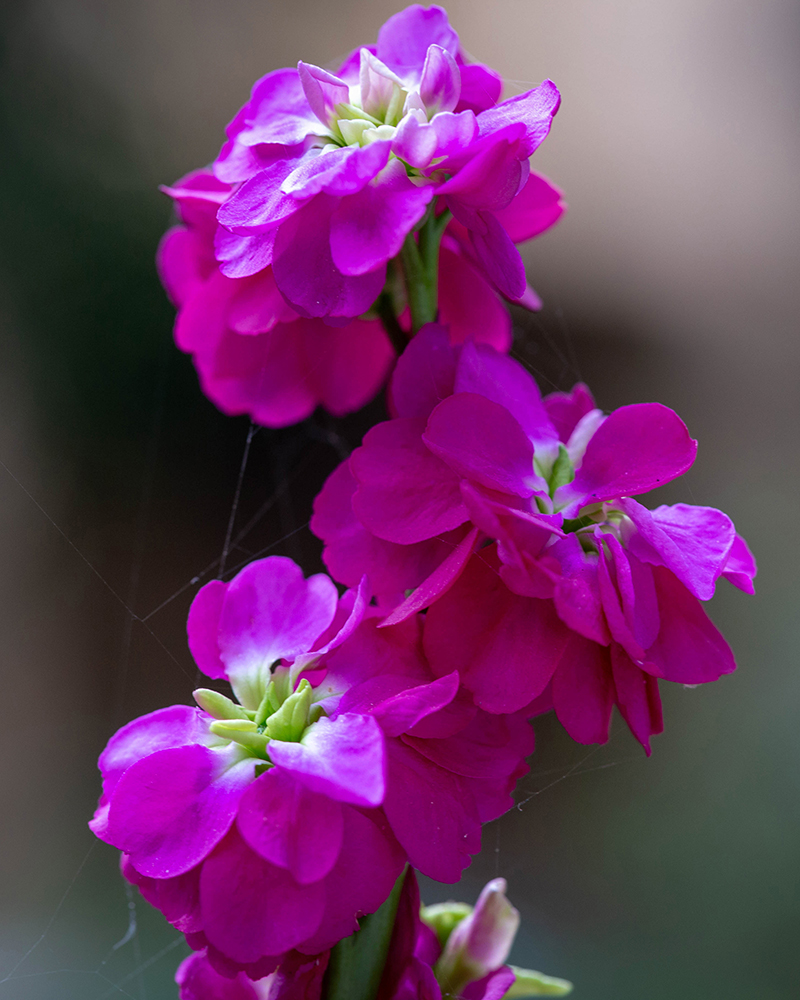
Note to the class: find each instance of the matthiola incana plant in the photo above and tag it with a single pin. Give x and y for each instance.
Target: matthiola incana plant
(497, 553)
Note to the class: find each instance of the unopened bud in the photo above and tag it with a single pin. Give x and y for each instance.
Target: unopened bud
(288, 723)
(241, 731)
(218, 705)
(480, 943)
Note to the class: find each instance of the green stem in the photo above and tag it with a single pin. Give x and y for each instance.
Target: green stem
(420, 260)
(356, 963)
(385, 310)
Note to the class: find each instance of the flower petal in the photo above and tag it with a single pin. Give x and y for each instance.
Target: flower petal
(291, 826)
(636, 449)
(323, 91)
(535, 109)
(468, 304)
(440, 83)
(637, 697)
(537, 207)
(424, 374)
(497, 377)
(171, 808)
(253, 908)
(404, 39)
(304, 268)
(480, 87)
(481, 441)
(439, 841)
(271, 612)
(368, 228)
(343, 759)
(405, 493)
(583, 690)
(741, 567)
(689, 648)
(693, 542)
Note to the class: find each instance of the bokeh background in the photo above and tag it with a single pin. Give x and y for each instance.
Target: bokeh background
(673, 278)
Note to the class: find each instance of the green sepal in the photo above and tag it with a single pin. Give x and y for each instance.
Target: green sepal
(356, 963)
(535, 984)
(288, 723)
(563, 471)
(218, 705)
(443, 918)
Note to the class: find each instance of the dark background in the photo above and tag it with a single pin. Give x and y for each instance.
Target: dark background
(673, 277)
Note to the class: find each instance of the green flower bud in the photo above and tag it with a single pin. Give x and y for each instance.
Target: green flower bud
(241, 731)
(218, 705)
(291, 719)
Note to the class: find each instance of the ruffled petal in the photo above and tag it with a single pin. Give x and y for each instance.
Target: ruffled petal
(253, 908)
(405, 493)
(693, 542)
(291, 826)
(368, 228)
(171, 808)
(481, 441)
(689, 648)
(343, 758)
(636, 449)
(535, 109)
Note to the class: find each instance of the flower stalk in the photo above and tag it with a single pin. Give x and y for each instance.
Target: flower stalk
(420, 260)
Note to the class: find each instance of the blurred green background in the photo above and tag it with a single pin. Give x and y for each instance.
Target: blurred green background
(673, 277)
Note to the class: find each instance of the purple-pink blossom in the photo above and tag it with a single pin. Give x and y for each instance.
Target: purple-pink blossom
(332, 172)
(268, 824)
(254, 354)
(584, 598)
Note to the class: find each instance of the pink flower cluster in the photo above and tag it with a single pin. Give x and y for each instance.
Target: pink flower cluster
(283, 244)
(497, 561)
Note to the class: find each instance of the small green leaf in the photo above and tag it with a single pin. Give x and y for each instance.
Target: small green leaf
(563, 470)
(536, 984)
(356, 964)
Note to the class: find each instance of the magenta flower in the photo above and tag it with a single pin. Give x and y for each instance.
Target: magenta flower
(254, 354)
(268, 825)
(585, 597)
(334, 171)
